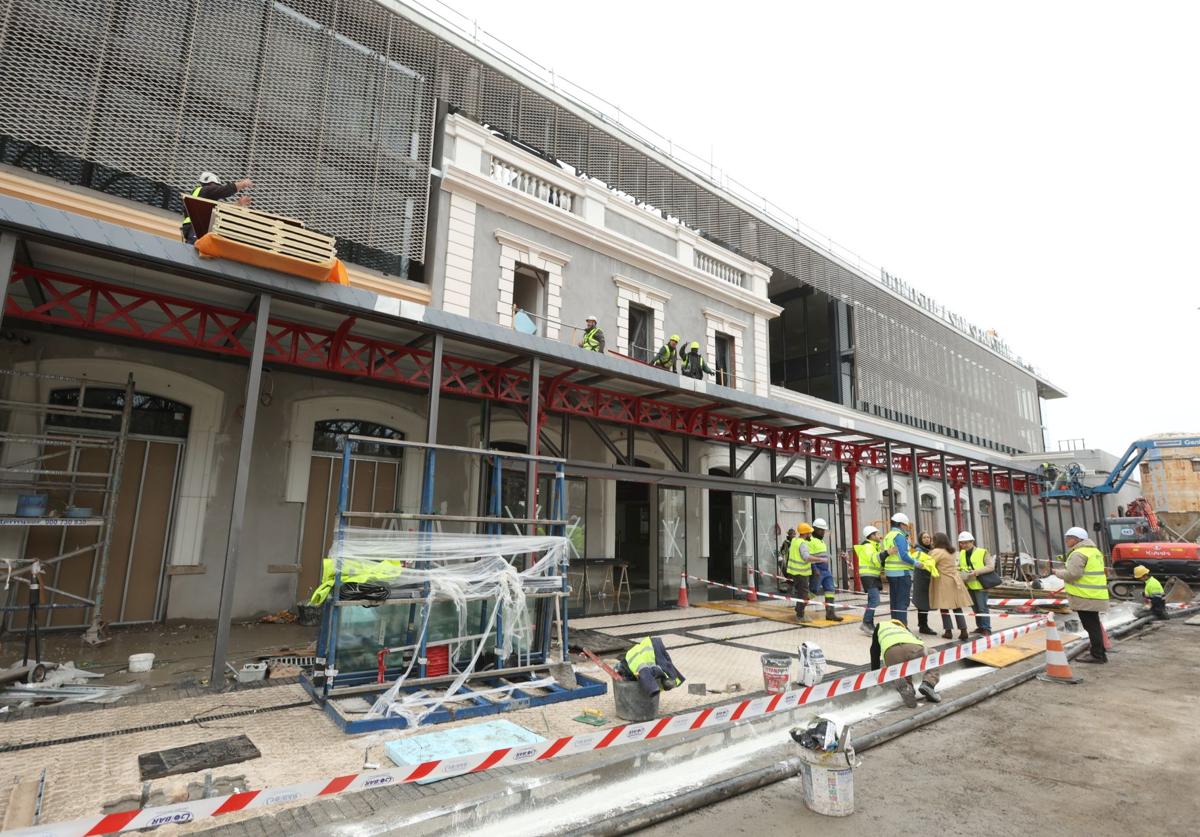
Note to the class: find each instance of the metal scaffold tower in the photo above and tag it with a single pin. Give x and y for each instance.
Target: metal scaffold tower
(62, 461)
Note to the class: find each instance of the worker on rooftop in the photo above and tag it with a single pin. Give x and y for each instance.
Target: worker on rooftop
(895, 644)
(593, 336)
(818, 555)
(210, 187)
(974, 562)
(870, 566)
(694, 365)
(668, 356)
(1086, 588)
(898, 565)
(1153, 591)
(799, 568)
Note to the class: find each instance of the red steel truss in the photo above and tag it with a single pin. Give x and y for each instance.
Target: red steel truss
(106, 308)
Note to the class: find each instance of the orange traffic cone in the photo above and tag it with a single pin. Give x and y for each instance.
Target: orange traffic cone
(753, 596)
(1058, 667)
(683, 602)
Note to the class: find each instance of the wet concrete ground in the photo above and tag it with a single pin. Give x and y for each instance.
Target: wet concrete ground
(1115, 755)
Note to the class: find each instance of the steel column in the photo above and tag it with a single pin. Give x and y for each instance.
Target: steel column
(1061, 527)
(855, 533)
(971, 498)
(841, 507)
(241, 485)
(1012, 505)
(431, 431)
(1032, 522)
(8, 251)
(1046, 522)
(531, 471)
(996, 512)
(891, 503)
(946, 497)
(916, 495)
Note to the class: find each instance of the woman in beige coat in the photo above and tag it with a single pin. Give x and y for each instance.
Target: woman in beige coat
(948, 592)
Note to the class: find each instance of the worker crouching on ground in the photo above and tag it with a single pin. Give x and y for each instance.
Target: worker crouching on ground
(897, 567)
(947, 591)
(895, 644)
(799, 568)
(593, 336)
(668, 356)
(694, 365)
(818, 555)
(870, 568)
(973, 562)
(1153, 591)
(649, 663)
(211, 188)
(1086, 588)
(923, 574)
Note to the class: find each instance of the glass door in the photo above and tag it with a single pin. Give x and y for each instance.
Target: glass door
(828, 510)
(672, 541)
(742, 552)
(766, 529)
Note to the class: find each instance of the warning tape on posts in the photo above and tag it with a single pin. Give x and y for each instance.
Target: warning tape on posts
(991, 602)
(815, 600)
(199, 809)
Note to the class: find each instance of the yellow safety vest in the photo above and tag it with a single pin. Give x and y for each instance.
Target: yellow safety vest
(927, 563)
(1093, 584)
(666, 358)
(816, 547)
(1153, 587)
(796, 564)
(890, 634)
(966, 563)
(354, 570)
(893, 562)
(640, 655)
(589, 340)
(868, 558)
(187, 219)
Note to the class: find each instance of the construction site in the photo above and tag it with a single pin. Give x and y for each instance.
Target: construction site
(392, 441)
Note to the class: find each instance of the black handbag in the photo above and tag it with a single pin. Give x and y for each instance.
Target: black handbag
(990, 579)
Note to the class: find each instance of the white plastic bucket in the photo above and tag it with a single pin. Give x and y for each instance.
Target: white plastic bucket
(828, 782)
(777, 672)
(140, 662)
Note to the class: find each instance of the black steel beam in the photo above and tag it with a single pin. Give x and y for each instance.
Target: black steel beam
(608, 443)
(666, 449)
(754, 454)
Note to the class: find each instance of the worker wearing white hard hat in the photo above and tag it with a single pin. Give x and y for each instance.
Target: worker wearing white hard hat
(974, 562)
(1086, 588)
(898, 566)
(593, 336)
(210, 187)
(822, 580)
(869, 555)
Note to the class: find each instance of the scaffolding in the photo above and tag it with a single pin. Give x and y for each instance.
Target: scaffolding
(58, 451)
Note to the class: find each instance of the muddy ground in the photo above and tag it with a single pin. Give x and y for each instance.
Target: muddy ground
(1116, 754)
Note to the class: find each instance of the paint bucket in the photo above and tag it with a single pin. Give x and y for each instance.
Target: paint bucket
(632, 703)
(777, 672)
(32, 505)
(828, 779)
(439, 660)
(140, 662)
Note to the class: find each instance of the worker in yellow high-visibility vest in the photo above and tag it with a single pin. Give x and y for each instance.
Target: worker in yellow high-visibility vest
(1086, 588)
(892, 644)
(1153, 591)
(870, 570)
(818, 554)
(799, 568)
(210, 187)
(898, 565)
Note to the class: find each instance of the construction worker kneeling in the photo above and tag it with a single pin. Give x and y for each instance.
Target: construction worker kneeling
(649, 663)
(1152, 592)
(895, 644)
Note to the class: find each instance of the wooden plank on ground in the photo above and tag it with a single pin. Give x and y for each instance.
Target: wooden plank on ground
(22, 803)
(777, 613)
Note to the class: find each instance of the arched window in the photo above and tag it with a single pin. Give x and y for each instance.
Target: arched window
(928, 513)
(152, 415)
(984, 537)
(327, 433)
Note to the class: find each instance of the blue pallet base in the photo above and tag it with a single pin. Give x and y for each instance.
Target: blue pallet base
(477, 707)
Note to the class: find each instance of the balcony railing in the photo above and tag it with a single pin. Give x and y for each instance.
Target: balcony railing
(718, 268)
(507, 174)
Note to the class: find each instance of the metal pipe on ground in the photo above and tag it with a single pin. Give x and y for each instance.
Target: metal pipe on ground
(669, 809)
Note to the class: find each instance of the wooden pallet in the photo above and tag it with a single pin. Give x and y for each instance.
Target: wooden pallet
(272, 233)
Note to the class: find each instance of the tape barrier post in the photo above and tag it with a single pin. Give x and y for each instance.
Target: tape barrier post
(186, 812)
(752, 596)
(1058, 667)
(683, 593)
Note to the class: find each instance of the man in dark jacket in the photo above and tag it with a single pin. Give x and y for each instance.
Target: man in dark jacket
(211, 188)
(694, 365)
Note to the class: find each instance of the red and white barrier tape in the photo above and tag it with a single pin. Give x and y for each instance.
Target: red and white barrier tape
(817, 600)
(186, 812)
(991, 602)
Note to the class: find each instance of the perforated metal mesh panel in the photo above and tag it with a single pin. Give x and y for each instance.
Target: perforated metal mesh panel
(310, 100)
(327, 104)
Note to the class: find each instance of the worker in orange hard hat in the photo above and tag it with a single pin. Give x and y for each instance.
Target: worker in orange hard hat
(799, 568)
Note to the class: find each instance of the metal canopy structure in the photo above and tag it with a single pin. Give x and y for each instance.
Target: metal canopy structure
(327, 329)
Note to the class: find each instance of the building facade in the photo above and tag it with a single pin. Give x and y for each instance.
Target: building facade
(483, 217)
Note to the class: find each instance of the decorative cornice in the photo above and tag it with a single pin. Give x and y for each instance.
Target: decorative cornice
(641, 287)
(534, 249)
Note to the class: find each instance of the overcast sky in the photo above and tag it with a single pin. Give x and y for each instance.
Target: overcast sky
(1031, 165)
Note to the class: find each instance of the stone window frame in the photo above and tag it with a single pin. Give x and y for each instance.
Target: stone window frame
(715, 321)
(655, 299)
(514, 250)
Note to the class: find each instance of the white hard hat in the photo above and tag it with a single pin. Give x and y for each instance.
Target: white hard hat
(869, 530)
(209, 177)
(901, 518)
(965, 536)
(591, 317)
(820, 523)
(1076, 532)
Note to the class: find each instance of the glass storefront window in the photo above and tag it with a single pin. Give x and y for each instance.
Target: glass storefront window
(672, 541)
